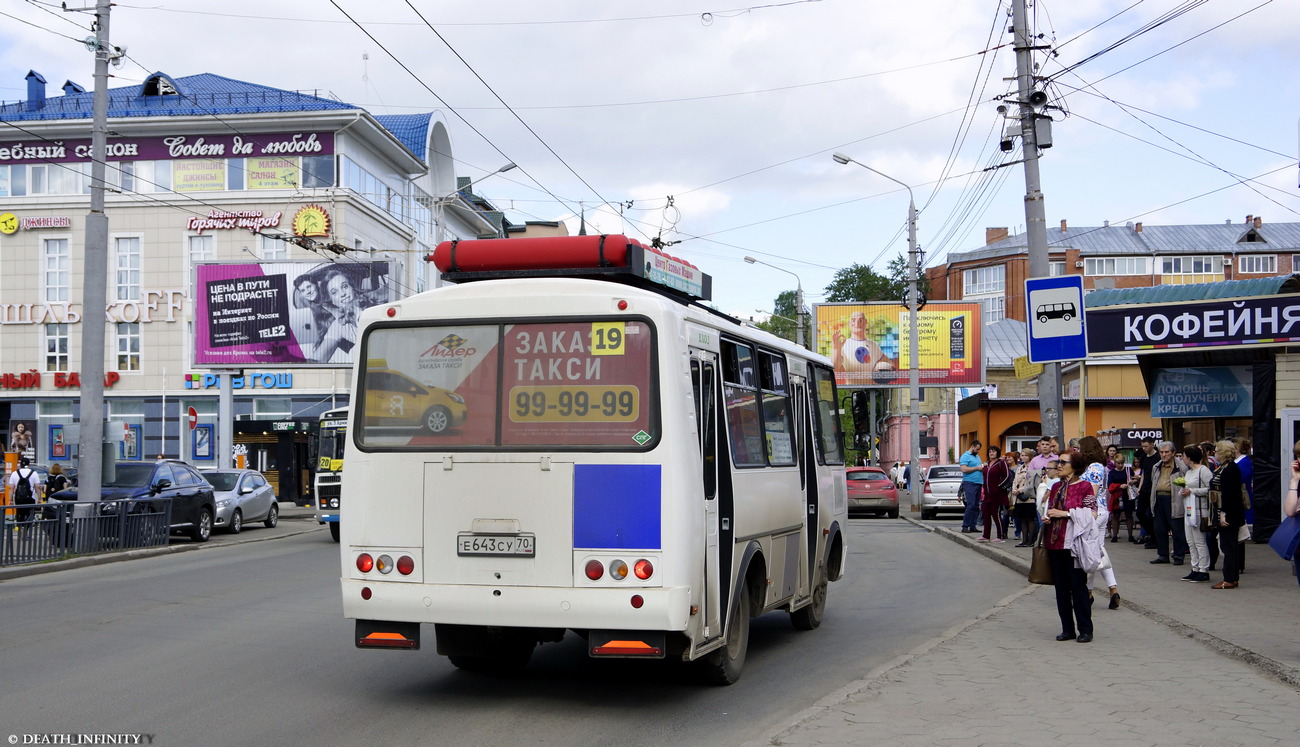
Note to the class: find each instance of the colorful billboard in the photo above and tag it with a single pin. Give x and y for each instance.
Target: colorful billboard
(869, 344)
(283, 313)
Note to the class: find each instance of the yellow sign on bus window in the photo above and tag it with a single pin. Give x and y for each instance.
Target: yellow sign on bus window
(607, 338)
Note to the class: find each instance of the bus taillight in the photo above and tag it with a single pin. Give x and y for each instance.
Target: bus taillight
(643, 569)
(385, 564)
(405, 565)
(594, 569)
(365, 563)
(617, 570)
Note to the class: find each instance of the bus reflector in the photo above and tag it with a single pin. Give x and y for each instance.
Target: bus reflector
(386, 640)
(594, 569)
(366, 593)
(637, 601)
(365, 563)
(628, 648)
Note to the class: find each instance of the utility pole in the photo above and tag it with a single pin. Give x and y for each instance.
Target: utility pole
(94, 291)
(1051, 403)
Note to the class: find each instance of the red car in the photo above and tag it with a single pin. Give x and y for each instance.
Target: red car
(871, 491)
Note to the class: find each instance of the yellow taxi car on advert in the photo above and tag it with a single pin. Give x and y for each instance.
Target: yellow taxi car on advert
(394, 399)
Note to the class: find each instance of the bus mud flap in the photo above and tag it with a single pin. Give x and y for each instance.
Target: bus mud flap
(627, 644)
(381, 634)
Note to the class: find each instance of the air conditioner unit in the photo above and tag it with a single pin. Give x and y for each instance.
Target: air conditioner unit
(1227, 261)
(1078, 263)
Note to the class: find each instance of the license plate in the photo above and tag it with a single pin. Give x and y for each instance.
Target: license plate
(521, 545)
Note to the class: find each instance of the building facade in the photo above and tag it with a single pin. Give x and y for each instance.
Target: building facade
(209, 180)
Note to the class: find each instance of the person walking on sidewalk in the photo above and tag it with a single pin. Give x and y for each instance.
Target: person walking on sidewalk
(1121, 497)
(1071, 582)
(1291, 502)
(1162, 475)
(1196, 507)
(972, 483)
(995, 495)
(1231, 512)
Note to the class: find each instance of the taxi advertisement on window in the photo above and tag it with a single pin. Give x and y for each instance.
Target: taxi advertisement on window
(585, 383)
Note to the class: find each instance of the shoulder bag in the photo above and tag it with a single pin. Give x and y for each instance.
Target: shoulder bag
(1285, 540)
(1040, 570)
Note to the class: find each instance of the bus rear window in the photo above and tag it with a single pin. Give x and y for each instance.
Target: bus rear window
(563, 385)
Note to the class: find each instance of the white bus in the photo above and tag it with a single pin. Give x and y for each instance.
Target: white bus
(327, 480)
(565, 440)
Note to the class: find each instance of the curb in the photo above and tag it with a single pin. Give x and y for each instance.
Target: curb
(84, 561)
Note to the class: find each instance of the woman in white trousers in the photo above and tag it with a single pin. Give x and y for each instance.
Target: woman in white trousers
(1194, 496)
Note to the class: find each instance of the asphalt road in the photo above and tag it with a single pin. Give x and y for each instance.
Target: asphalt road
(246, 644)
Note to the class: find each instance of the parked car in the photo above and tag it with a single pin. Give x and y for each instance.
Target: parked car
(242, 495)
(942, 491)
(144, 486)
(871, 491)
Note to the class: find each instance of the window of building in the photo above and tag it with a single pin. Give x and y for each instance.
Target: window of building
(1107, 266)
(994, 308)
(202, 248)
(318, 171)
(4, 181)
(128, 264)
(272, 247)
(1258, 264)
(1207, 265)
(984, 280)
(17, 180)
(56, 347)
(272, 408)
(122, 173)
(1055, 269)
(128, 346)
(57, 264)
(59, 178)
(235, 173)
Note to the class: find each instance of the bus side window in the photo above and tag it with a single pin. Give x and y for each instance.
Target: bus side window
(744, 422)
(778, 418)
(826, 425)
(704, 389)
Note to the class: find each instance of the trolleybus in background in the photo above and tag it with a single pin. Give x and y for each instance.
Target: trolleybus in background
(331, 435)
(620, 461)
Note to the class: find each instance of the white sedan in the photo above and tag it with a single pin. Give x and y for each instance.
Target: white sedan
(242, 495)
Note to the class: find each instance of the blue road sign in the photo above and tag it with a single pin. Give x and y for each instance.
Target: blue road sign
(1054, 308)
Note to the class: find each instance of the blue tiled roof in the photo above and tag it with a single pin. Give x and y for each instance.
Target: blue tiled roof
(411, 129)
(202, 94)
(1162, 294)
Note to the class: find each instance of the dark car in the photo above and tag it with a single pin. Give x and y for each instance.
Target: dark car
(145, 486)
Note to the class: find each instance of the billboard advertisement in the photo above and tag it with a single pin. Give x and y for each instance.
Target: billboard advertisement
(869, 344)
(283, 313)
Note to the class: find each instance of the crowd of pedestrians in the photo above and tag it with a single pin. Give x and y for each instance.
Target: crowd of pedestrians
(1191, 507)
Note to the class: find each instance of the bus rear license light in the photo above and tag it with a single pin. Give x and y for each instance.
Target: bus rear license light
(643, 569)
(365, 563)
(594, 570)
(384, 564)
(617, 570)
(366, 593)
(405, 565)
(637, 601)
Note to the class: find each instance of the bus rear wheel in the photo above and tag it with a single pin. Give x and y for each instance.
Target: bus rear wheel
(809, 617)
(334, 531)
(723, 666)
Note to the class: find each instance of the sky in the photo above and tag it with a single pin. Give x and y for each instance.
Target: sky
(712, 122)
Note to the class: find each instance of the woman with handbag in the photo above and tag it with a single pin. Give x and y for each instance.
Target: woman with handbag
(1071, 582)
(1024, 492)
(1121, 497)
(1231, 513)
(1197, 516)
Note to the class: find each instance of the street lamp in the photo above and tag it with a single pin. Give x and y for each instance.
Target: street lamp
(446, 199)
(798, 298)
(913, 298)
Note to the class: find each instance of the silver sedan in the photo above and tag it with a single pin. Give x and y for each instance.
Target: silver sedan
(242, 495)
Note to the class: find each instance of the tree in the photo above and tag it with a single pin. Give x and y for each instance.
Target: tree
(859, 283)
(782, 322)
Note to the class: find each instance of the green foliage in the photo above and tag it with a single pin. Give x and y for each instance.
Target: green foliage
(859, 283)
(782, 322)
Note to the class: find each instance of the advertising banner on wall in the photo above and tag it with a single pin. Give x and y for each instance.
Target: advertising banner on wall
(283, 313)
(1221, 323)
(1209, 392)
(869, 344)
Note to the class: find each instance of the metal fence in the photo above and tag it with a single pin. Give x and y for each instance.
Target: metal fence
(61, 529)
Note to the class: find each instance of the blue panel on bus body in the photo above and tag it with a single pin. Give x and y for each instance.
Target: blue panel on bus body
(616, 506)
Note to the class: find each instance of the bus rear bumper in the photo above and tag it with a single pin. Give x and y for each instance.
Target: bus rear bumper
(667, 609)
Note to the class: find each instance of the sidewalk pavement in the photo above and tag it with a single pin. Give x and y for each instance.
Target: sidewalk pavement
(1148, 676)
(294, 519)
